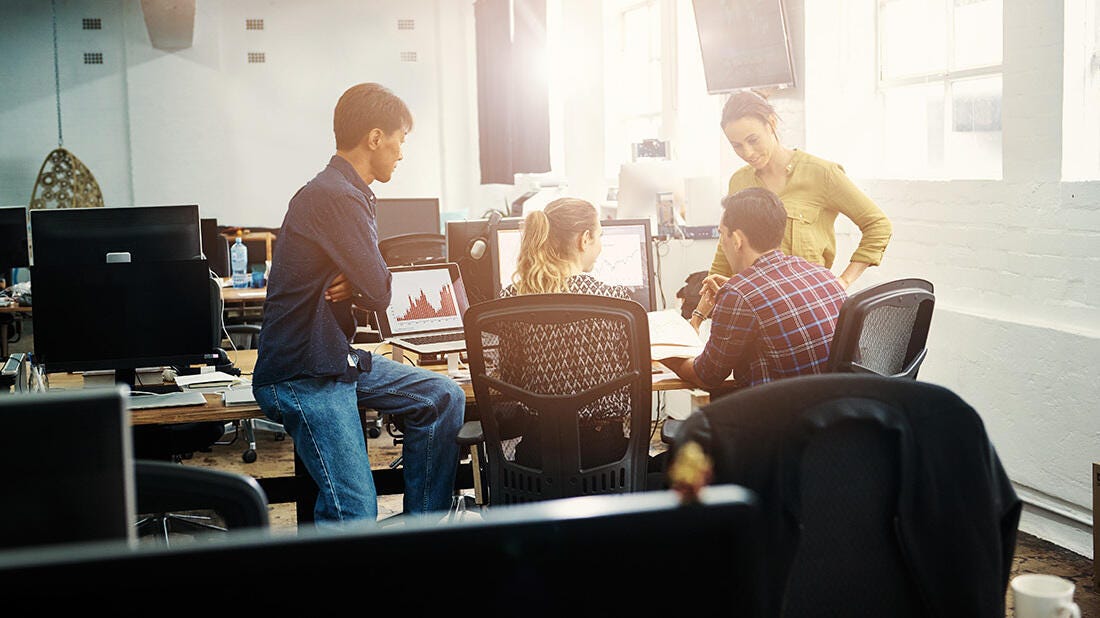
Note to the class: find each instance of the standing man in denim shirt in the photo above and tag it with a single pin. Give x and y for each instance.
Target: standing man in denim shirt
(308, 377)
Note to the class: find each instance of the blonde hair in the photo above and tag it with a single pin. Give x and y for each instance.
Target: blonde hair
(548, 247)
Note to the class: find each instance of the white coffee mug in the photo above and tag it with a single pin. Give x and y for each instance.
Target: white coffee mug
(1043, 596)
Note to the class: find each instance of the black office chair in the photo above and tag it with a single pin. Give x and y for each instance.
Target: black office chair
(882, 329)
(416, 248)
(185, 500)
(884, 496)
(538, 363)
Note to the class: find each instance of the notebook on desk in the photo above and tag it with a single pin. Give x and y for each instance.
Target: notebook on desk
(426, 309)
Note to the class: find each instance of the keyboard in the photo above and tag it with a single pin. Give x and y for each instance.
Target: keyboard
(440, 338)
(167, 400)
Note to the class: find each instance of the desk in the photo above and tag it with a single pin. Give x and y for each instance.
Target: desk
(243, 303)
(13, 310)
(298, 487)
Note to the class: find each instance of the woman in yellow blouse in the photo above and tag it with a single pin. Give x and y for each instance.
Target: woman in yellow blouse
(813, 191)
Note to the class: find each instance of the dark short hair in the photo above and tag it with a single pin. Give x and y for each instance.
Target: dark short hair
(364, 107)
(759, 214)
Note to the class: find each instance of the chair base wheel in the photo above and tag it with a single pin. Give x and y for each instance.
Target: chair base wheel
(249, 456)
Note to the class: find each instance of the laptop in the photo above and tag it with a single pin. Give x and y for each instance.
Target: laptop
(426, 308)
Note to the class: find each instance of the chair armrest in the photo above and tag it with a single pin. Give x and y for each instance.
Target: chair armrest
(470, 433)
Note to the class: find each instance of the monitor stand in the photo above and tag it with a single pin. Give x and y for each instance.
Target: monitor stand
(129, 378)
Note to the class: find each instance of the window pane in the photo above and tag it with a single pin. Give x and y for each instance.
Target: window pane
(913, 129)
(973, 144)
(978, 33)
(912, 37)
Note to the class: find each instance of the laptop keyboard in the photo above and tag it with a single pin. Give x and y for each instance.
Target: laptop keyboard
(440, 338)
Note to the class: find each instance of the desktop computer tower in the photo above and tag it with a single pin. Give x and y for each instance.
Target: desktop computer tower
(468, 246)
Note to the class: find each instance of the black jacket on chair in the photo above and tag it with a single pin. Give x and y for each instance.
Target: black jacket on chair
(951, 515)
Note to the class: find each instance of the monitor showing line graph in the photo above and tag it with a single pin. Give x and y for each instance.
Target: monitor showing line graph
(423, 300)
(625, 259)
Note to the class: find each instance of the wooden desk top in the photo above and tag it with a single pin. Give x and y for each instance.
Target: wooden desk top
(13, 308)
(245, 360)
(232, 294)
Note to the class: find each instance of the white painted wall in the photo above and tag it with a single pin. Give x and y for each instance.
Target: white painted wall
(201, 125)
(1015, 262)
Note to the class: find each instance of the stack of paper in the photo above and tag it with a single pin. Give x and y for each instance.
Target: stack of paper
(206, 381)
(671, 336)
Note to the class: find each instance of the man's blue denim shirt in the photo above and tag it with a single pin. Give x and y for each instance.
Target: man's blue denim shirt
(329, 228)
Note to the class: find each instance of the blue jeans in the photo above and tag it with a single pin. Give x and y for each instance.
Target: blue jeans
(322, 417)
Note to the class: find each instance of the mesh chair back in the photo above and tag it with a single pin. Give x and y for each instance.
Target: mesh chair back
(562, 383)
(409, 249)
(884, 329)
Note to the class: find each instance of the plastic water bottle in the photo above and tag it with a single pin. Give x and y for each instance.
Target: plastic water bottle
(238, 263)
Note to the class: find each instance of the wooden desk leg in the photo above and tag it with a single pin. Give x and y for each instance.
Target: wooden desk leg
(3, 339)
(699, 398)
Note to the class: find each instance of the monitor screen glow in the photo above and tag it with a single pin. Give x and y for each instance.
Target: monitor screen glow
(626, 258)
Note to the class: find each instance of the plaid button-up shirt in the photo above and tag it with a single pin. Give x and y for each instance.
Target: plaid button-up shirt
(773, 320)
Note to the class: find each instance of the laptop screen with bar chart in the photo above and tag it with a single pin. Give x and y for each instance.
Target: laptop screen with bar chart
(426, 307)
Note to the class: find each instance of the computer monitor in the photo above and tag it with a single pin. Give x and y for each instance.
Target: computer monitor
(14, 252)
(122, 316)
(62, 236)
(591, 555)
(214, 247)
(652, 189)
(82, 487)
(626, 258)
(397, 216)
(150, 307)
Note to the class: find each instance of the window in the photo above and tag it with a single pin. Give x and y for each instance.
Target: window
(640, 71)
(1081, 98)
(939, 83)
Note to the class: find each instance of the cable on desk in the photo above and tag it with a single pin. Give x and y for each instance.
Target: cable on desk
(657, 243)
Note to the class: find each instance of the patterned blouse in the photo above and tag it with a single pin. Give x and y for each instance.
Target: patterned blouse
(595, 349)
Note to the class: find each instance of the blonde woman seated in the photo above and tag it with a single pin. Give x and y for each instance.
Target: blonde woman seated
(558, 248)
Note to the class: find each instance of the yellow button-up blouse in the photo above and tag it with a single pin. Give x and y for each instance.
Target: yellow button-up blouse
(816, 191)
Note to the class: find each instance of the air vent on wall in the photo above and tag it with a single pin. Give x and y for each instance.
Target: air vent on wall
(408, 56)
(257, 57)
(406, 24)
(253, 24)
(93, 57)
(92, 23)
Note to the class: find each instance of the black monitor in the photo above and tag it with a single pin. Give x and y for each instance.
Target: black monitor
(148, 305)
(396, 216)
(122, 316)
(81, 488)
(592, 555)
(14, 252)
(62, 236)
(626, 259)
(214, 247)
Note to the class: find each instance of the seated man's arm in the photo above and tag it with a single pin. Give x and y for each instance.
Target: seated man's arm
(732, 332)
(685, 368)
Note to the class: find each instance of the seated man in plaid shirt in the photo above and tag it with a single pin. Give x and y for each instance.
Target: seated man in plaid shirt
(773, 319)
